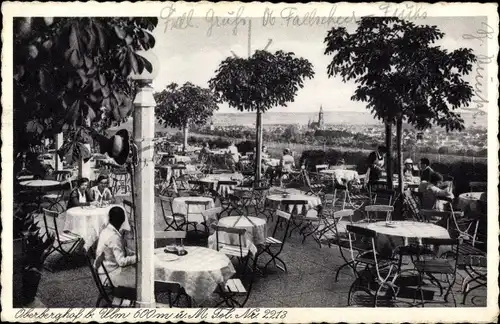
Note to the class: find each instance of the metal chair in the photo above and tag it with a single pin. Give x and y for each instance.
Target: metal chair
(173, 220)
(230, 248)
(372, 213)
(62, 239)
(370, 278)
(202, 204)
(430, 265)
(273, 246)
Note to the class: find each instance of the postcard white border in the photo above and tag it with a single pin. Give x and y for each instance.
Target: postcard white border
(460, 314)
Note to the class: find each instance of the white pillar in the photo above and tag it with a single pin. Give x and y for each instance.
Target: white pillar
(58, 141)
(84, 170)
(144, 121)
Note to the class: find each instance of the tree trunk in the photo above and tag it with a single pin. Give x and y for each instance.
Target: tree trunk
(185, 130)
(388, 144)
(399, 139)
(258, 143)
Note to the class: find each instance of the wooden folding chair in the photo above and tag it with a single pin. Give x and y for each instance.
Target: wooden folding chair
(372, 213)
(62, 239)
(273, 246)
(237, 249)
(202, 204)
(173, 220)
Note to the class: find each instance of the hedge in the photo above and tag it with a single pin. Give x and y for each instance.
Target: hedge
(462, 172)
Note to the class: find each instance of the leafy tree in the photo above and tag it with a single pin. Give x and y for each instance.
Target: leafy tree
(401, 75)
(180, 107)
(260, 82)
(73, 72)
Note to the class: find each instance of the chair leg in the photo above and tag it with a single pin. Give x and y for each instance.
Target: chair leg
(340, 268)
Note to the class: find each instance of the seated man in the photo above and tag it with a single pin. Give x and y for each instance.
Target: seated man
(432, 194)
(425, 166)
(101, 192)
(119, 263)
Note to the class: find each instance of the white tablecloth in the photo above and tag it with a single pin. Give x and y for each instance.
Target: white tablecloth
(272, 162)
(255, 233)
(182, 158)
(39, 184)
(88, 223)
(409, 230)
(198, 272)
(469, 200)
(179, 206)
(276, 200)
(342, 175)
(224, 190)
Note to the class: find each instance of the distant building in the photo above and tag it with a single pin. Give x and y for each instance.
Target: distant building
(320, 124)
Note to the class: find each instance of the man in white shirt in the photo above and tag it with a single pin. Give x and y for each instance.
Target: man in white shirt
(119, 262)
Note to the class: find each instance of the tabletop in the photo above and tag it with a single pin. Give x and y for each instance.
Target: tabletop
(241, 221)
(289, 197)
(198, 272)
(473, 196)
(408, 229)
(40, 183)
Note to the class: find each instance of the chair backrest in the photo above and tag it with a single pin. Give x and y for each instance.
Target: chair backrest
(292, 206)
(344, 213)
(373, 210)
(94, 264)
(282, 217)
(320, 167)
(50, 222)
(162, 237)
(229, 231)
(411, 202)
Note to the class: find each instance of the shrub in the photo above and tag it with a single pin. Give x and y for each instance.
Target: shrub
(245, 146)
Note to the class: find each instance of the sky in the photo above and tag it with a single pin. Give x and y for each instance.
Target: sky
(194, 53)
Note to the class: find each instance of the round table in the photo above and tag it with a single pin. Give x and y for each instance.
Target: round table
(224, 190)
(40, 184)
(469, 200)
(179, 206)
(88, 222)
(255, 227)
(399, 233)
(276, 200)
(198, 272)
(182, 158)
(341, 175)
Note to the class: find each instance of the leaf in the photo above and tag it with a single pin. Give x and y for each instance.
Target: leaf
(133, 62)
(120, 32)
(73, 38)
(32, 51)
(75, 59)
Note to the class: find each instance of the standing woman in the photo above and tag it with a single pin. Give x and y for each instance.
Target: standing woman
(101, 192)
(376, 164)
(80, 196)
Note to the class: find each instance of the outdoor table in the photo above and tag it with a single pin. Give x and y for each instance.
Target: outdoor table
(469, 200)
(89, 221)
(276, 200)
(182, 158)
(341, 175)
(198, 272)
(401, 233)
(179, 206)
(40, 184)
(256, 228)
(342, 167)
(213, 180)
(271, 162)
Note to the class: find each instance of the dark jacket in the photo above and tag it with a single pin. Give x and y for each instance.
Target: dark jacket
(426, 174)
(74, 199)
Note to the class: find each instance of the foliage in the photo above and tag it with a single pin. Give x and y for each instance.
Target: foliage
(400, 74)
(70, 72)
(245, 146)
(187, 105)
(262, 81)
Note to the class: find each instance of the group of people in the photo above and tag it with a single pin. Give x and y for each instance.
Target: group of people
(432, 187)
(83, 196)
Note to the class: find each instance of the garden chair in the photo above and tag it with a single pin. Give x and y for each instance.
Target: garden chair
(115, 297)
(373, 213)
(212, 215)
(429, 265)
(235, 292)
(196, 218)
(62, 239)
(373, 272)
(121, 182)
(474, 262)
(313, 188)
(297, 210)
(172, 220)
(229, 246)
(273, 246)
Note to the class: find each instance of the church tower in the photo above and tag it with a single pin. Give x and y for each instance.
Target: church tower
(321, 120)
